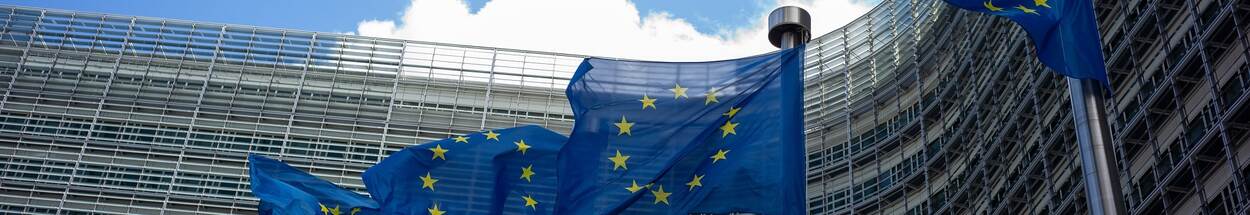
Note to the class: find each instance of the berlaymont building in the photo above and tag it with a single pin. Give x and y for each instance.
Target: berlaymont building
(914, 108)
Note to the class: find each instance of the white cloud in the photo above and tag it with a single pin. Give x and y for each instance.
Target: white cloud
(606, 28)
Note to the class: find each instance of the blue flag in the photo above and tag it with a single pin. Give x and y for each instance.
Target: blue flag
(282, 189)
(1064, 32)
(510, 171)
(678, 138)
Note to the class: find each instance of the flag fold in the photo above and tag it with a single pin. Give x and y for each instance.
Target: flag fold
(282, 189)
(678, 138)
(1065, 32)
(505, 171)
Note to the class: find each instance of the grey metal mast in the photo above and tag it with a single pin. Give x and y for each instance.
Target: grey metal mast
(1093, 138)
(789, 26)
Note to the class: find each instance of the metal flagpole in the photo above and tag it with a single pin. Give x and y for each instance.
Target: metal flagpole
(1093, 137)
(789, 26)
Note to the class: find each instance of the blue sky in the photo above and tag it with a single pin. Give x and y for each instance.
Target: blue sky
(312, 15)
(344, 15)
(708, 18)
(663, 30)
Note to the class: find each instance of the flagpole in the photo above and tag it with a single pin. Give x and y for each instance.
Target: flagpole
(789, 26)
(1093, 137)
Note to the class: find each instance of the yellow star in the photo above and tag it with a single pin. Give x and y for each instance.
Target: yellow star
(624, 126)
(335, 210)
(527, 172)
(732, 112)
(1027, 10)
(711, 98)
(720, 155)
(660, 195)
(678, 91)
(728, 129)
(521, 147)
(633, 187)
(461, 139)
(696, 182)
(427, 181)
(647, 102)
(324, 209)
(991, 7)
(530, 202)
(439, 152)
(492, 135)
(618, 161)
(355, 210)
(435, 211)
(1041, 3)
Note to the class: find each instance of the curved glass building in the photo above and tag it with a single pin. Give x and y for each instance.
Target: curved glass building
(915, 108)
(129, 115)
(920, 108)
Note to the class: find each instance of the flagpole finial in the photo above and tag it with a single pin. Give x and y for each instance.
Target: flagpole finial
(789, 26)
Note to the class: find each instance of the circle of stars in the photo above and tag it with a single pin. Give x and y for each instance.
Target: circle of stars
(625, 127)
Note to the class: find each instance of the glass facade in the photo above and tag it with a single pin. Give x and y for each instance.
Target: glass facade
(921, 108)
(126, 115)
(914, 108)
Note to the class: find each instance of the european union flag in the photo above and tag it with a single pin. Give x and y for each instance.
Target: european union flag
(282, 189)
(678, 138)
(509, 171)
(1064, 31)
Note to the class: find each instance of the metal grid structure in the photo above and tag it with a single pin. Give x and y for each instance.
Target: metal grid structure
(921, 108)
(913, 108)
(130, 115)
